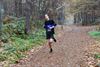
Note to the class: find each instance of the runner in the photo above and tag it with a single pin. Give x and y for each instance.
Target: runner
(49, 26)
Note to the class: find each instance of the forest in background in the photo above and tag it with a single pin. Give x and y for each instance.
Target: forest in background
(32, 10)
(21, 22)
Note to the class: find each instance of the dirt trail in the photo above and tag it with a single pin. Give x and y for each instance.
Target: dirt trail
(69, 51)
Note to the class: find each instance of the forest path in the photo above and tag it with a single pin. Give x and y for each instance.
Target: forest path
(69, 51)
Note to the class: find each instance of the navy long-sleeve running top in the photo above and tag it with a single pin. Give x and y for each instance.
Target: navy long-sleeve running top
(48, 24)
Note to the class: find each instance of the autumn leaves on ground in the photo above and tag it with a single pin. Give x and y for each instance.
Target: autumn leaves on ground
(22, 37)
(74, 48)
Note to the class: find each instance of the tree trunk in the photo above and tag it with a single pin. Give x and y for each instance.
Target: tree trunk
(27, 10)
(18, 8)
(1, 14)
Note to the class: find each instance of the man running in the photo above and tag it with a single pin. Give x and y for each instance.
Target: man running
(49, 26)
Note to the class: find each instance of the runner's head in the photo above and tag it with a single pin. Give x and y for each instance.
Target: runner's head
(46, 17)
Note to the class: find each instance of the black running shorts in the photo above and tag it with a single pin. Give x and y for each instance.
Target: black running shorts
(49, 35)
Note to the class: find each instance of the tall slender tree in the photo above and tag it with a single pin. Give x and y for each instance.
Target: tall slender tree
(1, 14)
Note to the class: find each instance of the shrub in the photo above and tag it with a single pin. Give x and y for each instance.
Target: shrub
(16, 48)
(97, 56)
(16, 42)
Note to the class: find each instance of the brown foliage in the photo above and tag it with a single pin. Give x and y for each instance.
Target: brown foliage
(7, 19)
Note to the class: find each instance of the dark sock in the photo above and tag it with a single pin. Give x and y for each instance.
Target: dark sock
(51, 50)
(54, 40)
